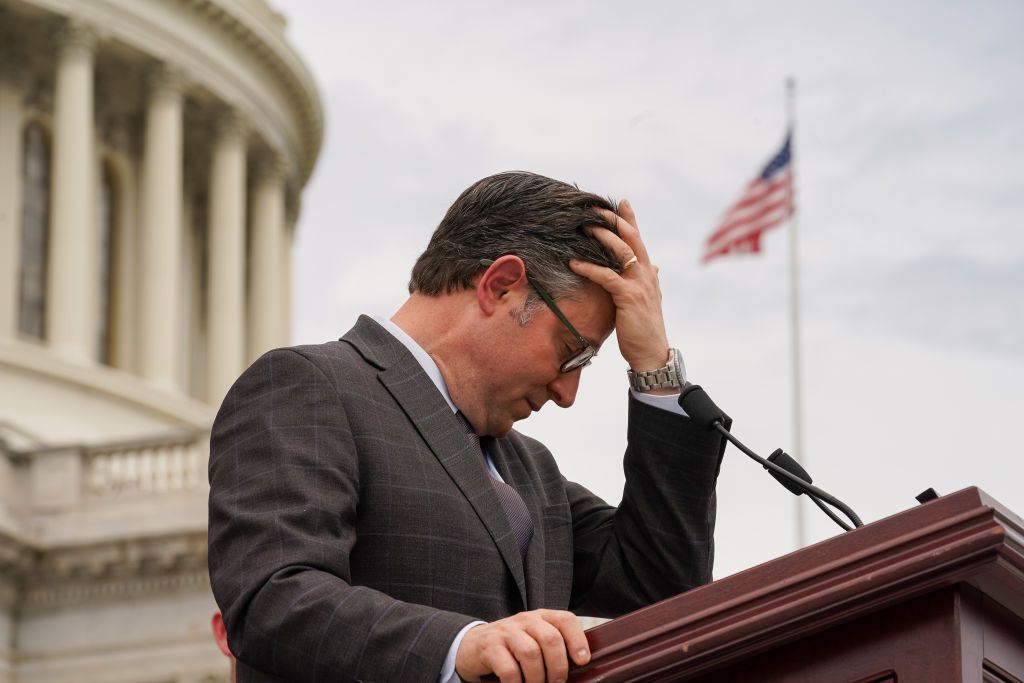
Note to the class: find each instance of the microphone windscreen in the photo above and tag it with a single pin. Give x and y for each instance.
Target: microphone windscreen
(786, 462)
(696, 403)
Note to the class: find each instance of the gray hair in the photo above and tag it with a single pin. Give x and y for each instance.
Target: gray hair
(538, 219)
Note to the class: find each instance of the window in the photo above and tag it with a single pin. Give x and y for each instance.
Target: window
(35, 228)
(106, 207)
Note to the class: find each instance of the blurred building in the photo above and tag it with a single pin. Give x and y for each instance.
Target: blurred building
(152, 156)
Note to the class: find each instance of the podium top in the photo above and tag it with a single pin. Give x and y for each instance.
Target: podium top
(966, 537)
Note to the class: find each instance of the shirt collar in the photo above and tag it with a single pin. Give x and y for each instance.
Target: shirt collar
(421, 356)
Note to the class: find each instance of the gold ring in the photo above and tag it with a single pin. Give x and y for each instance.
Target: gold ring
(628, 264)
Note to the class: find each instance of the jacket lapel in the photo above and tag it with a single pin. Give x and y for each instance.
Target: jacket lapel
(413, 390)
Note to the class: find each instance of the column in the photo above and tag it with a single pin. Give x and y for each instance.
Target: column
(226, 259)
(72, 272)
(11, 119)
(265, 295)
(160, 235)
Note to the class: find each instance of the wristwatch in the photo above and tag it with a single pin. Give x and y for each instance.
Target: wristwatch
(671, 376)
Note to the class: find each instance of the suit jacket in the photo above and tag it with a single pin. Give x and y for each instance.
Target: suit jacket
(354, 530)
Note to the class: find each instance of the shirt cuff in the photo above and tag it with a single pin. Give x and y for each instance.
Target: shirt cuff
(448, 674)
(669, 402)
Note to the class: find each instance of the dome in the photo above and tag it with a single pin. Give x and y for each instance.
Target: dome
(152, 159)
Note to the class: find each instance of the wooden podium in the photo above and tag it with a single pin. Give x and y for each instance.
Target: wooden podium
(934, 594)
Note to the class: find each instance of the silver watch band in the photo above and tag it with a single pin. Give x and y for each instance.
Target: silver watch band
(671, 376)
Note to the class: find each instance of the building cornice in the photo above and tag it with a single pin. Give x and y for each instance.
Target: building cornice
(268, 44)
(125, 568)
(257, 33)
(117, 385)
(16, 560)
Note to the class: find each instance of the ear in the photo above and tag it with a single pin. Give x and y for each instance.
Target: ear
(220, 634)
(500, 284)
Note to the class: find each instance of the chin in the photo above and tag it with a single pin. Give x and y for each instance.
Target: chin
(503, 428)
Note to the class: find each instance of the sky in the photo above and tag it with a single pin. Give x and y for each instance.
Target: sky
(909, 163)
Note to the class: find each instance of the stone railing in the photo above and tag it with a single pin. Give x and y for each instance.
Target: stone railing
(60, 477)
(146, 467)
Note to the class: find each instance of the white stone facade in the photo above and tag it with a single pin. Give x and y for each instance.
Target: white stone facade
(152, 158)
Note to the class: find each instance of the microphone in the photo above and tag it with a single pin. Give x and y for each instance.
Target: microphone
(788, 463)
(699, 406)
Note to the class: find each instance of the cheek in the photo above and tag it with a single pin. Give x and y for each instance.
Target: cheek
(514, 376)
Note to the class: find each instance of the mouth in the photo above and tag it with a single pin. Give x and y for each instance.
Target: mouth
(533, 406)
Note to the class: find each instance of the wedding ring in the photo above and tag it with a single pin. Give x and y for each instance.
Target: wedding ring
(628, 264)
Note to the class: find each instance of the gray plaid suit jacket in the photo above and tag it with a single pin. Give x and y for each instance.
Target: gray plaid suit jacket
(354, 531)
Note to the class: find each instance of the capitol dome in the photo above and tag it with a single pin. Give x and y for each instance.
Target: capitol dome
(152, 159)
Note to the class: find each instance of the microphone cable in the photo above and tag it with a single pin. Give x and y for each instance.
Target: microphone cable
(783, 467)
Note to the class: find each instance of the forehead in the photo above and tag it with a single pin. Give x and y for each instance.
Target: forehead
(591, 311)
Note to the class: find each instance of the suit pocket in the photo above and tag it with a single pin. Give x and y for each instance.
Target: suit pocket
(558, 553)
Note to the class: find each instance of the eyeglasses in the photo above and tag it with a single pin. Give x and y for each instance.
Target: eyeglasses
(581, 358)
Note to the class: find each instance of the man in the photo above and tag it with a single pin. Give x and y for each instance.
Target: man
(374, 516)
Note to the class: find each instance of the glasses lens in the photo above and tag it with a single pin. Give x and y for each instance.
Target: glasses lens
(580, 360)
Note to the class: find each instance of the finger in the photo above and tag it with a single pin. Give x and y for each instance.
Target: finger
(552, 648)
(528, 654)
(573, 637)
(606, 278)
(504, 665)
(627, 232)
(626, 211)
(613, 243)
(484, 651)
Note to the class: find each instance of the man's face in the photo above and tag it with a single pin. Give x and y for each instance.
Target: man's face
(520, 371)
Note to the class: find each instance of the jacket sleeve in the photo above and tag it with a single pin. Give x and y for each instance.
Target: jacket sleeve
(660, 540)
(284, 500)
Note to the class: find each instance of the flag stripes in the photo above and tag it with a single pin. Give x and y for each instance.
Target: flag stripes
(766, 202)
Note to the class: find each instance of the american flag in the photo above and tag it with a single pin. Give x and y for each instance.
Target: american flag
(766, 202)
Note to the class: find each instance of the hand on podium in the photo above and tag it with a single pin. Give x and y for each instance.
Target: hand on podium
(530, 646)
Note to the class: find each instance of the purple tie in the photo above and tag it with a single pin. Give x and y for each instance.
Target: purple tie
(515, 509)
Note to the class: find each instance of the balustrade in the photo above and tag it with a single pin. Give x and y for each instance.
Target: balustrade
(146, 468)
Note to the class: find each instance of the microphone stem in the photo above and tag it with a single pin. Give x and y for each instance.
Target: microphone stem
(828, 511)
(806, 486)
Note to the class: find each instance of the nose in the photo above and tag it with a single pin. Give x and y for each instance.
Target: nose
(563, 388)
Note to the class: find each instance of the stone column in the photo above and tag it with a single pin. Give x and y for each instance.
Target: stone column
(160, 235)
(225, 323)
(268, 240)
(72, 271)
(11, 120)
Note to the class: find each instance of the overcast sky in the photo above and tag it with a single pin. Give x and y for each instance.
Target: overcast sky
(909, 152)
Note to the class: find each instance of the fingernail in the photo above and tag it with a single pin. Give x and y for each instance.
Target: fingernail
(583, 656)
(626, 202)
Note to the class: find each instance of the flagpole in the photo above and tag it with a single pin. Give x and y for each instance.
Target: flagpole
(794, 321)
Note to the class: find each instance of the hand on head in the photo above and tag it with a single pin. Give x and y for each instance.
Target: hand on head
(636, 292)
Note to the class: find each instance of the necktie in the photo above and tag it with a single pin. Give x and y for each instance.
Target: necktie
(511, 502)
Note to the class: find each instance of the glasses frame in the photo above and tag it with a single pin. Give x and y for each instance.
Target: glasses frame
(587, 353)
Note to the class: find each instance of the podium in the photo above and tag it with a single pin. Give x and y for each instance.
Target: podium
(934, 594)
